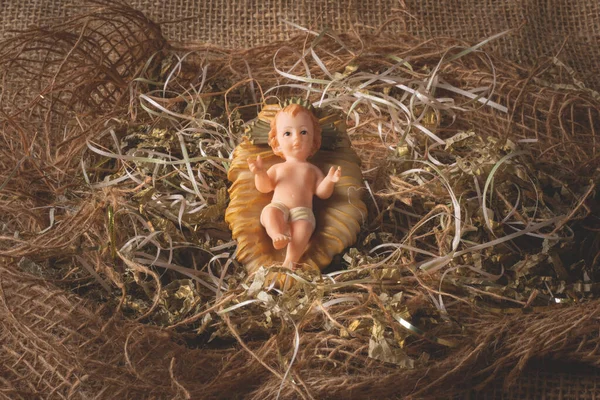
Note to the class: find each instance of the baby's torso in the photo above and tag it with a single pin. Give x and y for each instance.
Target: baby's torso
(295, 184)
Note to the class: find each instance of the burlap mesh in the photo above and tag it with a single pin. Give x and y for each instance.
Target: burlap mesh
(56, 346)
(544, 26)
(545, 384)
(73, 351)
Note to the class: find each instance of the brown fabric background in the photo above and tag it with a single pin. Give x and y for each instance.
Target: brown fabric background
(543, 26)
(555, 382)
(77, 347)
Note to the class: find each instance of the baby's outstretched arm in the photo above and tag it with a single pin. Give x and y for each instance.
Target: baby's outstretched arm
(326, 184)
(262, 180)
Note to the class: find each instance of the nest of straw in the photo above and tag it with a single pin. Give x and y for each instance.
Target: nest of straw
(118, 276)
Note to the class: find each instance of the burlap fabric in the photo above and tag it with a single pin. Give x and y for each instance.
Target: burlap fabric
(567, 29)
(74, 351)
(245, 24)
(545, 384)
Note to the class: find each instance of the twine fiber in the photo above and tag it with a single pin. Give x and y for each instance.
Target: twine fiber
(57, 346)
(567, 28)
(54, 344)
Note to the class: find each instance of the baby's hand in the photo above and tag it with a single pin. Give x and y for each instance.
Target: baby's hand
(256, 166)
(334, 174)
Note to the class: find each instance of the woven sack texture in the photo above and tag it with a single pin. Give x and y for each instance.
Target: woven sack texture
(569, 29)
(542, 382)
(67, 328)
(57, 346)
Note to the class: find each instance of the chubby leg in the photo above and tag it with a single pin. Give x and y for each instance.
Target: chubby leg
(273, 219)
(301, 232)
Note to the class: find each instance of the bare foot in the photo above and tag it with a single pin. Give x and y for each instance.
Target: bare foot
(291, 265)
(280, 241)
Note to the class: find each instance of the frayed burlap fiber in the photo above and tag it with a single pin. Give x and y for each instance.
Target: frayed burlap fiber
(568, 29)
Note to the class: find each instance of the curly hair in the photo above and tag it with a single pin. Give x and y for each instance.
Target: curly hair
(294, 109)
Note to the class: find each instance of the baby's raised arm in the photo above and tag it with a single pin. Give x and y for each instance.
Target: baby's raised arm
(325, 184)
(263, 179)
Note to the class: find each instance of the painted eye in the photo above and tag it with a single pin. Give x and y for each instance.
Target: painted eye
(287, 133)
(304, 133)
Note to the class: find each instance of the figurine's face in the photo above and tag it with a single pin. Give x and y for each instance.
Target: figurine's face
(295, 135)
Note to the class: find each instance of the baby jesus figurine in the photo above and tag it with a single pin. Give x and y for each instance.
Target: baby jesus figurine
(289, 220)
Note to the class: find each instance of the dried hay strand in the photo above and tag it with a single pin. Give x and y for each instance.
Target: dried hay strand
(481, 181)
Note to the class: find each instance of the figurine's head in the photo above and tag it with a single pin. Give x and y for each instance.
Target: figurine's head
(295, 131)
